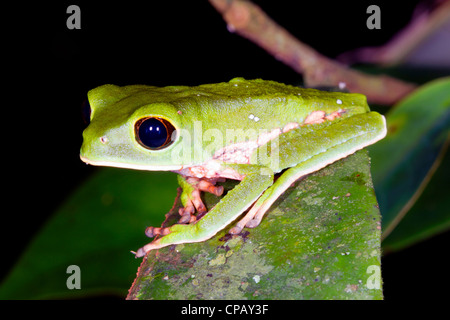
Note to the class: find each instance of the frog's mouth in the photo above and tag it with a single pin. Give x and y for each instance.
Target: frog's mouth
(130, 165)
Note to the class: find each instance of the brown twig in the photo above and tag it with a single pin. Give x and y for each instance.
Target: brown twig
(249, 21)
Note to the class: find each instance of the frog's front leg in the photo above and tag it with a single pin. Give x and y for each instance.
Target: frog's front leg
(236, 201)
(191, 199)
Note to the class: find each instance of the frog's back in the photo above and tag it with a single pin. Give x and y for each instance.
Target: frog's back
(267, 103)
(251, 103)
(239, 87)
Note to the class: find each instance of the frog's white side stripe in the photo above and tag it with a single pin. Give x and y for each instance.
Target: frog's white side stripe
(131, 165)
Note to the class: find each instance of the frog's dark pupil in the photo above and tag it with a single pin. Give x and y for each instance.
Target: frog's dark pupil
(154, 133)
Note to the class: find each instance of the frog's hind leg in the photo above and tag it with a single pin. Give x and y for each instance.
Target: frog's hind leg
(254, 216)
(304, 159)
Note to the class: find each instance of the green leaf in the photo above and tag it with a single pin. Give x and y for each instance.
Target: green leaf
(404, 162)
(334, 243)
(429, 215)
(320, 240)
(95, 229)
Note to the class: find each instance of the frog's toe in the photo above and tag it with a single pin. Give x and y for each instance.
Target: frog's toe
(197, 201)
(207, 186)
(252, 224)
(147, 248)
(187, 209)
(256, 220)
(139, 253)
(187, 214)
(153, 232)
(187, 218)
(235, 230)
(245, 220)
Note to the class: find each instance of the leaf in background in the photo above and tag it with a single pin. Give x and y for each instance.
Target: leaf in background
(403, 162)
(429, 216)
(95, 229)
(320, 240)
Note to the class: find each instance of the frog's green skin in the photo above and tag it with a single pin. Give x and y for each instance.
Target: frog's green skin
(226, 130)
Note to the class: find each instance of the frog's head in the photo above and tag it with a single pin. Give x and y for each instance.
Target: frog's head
(132, 127)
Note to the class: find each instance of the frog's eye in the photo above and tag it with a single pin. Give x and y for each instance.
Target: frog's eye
(154, 133)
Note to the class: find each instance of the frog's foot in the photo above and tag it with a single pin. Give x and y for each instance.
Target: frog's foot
(253, 217)
(187, 212)
(176, 234)
(155, 244)
(250, 220)
(193, 202)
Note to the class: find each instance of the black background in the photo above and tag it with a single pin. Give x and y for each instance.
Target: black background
(49, 69)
